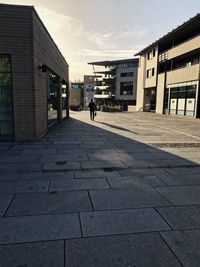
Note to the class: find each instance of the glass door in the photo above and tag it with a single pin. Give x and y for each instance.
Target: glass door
(6, 98)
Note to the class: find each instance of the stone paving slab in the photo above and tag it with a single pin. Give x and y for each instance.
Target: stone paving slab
(39, 228)
(181, 179)
(61, 166)
(102, 164)
(5, 200)
(186, 245)
(38, 254)
(19, 158)
(43, 176)
(95, 174)
(18, 167)
(9, 176)
(28, 147)
(181, 195)
(142, 172)
(188, 170)
(111, 156)
(126, 198)
(139, 250)
(78, 184)
(181, 217)
(121, 222)
(39, 152)
(63, 146)
(64, 157)
(49, 203)
(153, 155)
(24, 186)
(134, 181)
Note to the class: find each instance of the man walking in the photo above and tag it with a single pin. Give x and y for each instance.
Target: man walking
(92, 107)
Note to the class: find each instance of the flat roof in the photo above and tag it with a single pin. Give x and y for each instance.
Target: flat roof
(175, 32)
(113, 62)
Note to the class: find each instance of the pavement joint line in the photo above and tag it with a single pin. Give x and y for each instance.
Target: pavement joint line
(163, 218)
(81, 228)
(162, 195)
(4, 215)
(90, 200)
(170, 249)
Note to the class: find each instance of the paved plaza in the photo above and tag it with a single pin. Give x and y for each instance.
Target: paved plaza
(123, 190)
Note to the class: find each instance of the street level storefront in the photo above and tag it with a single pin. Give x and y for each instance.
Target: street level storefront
(169, 72)
(33, 76)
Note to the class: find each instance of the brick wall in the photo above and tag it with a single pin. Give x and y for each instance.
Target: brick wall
(24, 37)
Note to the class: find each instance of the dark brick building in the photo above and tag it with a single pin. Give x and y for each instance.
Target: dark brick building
(33, 75)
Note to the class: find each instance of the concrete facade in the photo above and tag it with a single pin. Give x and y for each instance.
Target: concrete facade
(169, 71)
(25, 39)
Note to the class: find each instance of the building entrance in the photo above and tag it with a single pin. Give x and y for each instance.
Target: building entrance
(183, 100)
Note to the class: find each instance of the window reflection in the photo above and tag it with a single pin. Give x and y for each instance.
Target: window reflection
(6, 98)
(52, 98)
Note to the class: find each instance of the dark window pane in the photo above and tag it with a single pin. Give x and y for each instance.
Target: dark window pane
(5, 65)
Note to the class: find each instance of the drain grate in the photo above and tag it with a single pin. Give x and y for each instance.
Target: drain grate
(60, 162)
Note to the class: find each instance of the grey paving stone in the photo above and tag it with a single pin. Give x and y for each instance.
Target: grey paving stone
(39, 152)
(38, 254)
(24, 186)
(78, 184)
(43, 176)
(39, 228)
(155, 155)
(49, 203)
(73, 151)
(4, 147)
(111, 156)
(53, 146)
(61, 166)
(181, 179)
(188, 170)
(95, 174)
(102, 164)
(28, 147)
(5, 200)
(139, 250)
(17, 167)
(126, 198)
(181, 195)
(9, 176)
(186, 246)
(142, 172)
(121, 222)
(63, 157)
(19, 158)
(134, 181)
(182, 217)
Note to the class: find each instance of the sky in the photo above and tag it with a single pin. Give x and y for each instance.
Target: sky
(96, 30)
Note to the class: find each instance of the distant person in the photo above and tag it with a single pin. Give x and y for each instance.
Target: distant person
(92, 107)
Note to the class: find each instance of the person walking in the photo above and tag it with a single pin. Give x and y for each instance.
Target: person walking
(92, 107)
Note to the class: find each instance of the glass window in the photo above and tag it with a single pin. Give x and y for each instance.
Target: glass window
(182, 92)
(6, 97)
(174, 93)
(191, 91)
(126, 88)
(127, 74)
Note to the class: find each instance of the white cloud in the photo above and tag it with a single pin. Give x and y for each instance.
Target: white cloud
(56, 22)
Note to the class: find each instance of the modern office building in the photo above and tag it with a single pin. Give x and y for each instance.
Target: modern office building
(89, 84)
(169, 72)
(116, 81)
(33, 75)
(76, 94)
